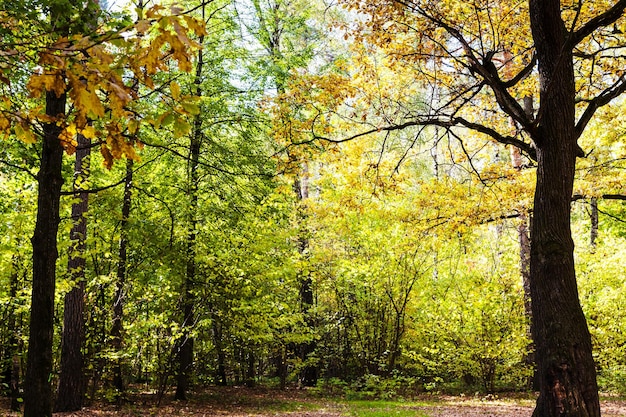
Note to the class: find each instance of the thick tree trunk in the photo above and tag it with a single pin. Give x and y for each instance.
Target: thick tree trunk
(37, 383)
(118, 302)
(71, 390)
(567, 376)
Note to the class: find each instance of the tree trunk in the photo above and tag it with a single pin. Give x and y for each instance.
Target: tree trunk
(567, 376)
(250, 373)
(118, 303)
(185, 348)
(593, 233)
(308, 375)
(71, 390)
(219, 347)
(37, 383)
(185, 342)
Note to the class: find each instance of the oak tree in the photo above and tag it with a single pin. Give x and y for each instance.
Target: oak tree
(482, 58)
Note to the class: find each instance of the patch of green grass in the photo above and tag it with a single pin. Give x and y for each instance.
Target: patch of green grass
(364, 408)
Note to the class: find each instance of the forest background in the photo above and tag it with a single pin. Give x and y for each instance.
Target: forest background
(225, 220)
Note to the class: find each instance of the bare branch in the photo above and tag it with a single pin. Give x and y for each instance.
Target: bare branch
(622, 197)
(19, 168)
(602, 20)
(484, 67)
(95, 190)
(522, 74)
(603, 99)
(447, 123)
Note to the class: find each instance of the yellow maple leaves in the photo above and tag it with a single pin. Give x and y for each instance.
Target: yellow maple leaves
(101, 74)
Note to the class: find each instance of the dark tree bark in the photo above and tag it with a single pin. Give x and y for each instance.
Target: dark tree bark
(219, 347)
(567, 375)
(118, 302)
(250, 369)
(71, 390)
(185, 349)
(37, 385)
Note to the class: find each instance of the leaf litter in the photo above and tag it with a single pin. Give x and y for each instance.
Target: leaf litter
(244, 402)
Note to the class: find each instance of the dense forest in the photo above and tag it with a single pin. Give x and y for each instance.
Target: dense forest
(385, 197)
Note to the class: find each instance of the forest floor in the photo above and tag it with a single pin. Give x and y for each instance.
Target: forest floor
(240, 402)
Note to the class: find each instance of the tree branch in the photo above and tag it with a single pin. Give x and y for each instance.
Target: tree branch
(522, 74)
(527, 148)
(622, 197)
(603, 99)
(19, 168)
(608, 17)
(485, 68)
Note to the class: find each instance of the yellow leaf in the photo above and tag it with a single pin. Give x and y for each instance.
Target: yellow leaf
(190, 107)
(89, 132)
(23, 133)
(68, 138)
(196, 25)
(175, 89)
(133, 126)
(181, 127)
(5, 124)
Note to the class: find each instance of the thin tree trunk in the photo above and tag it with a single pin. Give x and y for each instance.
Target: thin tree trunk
(250, 379)
(593, 234)
(37, 383)
(524, 266)
(118, 303)
(185, 343)
(308, 375)
(567, 375)
(98, 326)
(219, 347)
(71, 390)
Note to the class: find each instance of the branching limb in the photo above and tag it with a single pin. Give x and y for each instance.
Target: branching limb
(484, 67)
(447, 123)
(602, 20)
(19, 168)
(603, 99)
